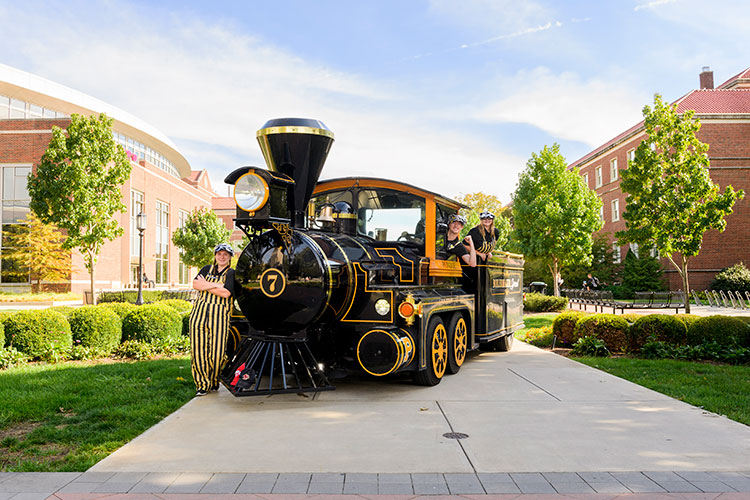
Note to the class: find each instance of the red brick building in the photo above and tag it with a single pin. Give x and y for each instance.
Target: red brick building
(161, 185)
(724, 113)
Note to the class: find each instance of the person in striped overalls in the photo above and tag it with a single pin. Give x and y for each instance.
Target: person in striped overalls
(209, 319)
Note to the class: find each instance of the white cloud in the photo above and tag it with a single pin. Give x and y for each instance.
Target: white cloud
(652, 4)
(209, 88)
(566, 106)
(492, 16)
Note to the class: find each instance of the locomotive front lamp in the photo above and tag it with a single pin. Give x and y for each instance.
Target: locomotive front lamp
(250, 192)
(382, 307)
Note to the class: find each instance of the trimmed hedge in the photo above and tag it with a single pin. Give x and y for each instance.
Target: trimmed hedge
(151, 322)
(686, 318)
(609, 328)
(537, 302)
(186, 324)
(2, 335)
(564, 326)
(120, 308)
(178, 305)
(724, 330)
(38, 332)
(656, 327)
(96, 327)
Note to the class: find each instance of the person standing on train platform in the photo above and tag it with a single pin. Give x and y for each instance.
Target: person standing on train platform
(484, 236)
(463, 249)
(209, 319)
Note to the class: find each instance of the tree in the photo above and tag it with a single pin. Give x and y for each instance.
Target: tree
(35, 250)
(77, 185)
(602, 264)
(672, 200)
(197, 239)
(554, 213)
(642, 272)
(479, 202)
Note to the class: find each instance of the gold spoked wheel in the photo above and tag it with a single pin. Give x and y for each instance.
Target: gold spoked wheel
(458, 338)
(436, 347)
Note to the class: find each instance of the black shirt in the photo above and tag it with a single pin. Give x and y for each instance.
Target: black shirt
(484, 243)
(211, 270)
(456, 247)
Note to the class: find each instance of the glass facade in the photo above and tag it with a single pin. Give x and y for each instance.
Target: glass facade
(16, 108)
(144, 152)
(15, 208)
(162, 243)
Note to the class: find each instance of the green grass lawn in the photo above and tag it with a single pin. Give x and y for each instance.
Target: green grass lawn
(38, 297)
(69, 416)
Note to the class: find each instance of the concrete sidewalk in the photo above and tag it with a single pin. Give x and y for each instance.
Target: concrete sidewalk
(534, 423)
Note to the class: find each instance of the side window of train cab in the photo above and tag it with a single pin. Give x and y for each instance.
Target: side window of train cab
(441, 230)
(389, 215)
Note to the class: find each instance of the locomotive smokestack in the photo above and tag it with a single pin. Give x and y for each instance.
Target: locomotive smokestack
(297, 147)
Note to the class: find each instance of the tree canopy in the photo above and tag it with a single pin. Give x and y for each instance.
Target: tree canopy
(202, 231)
(35, 250)
(554, 213)
(672, 200)
(77, 185)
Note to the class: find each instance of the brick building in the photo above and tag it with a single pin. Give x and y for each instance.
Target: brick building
(724, 113)
(161, 185)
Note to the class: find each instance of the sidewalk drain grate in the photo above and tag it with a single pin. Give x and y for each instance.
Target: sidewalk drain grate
(455, 435)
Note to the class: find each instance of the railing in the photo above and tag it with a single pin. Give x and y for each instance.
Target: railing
(736, 300)
(643, 300)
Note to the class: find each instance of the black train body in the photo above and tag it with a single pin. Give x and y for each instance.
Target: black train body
(350, 274)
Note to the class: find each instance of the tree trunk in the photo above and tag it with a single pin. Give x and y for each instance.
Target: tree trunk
(555, 277)
(91, 273)
(685, 284)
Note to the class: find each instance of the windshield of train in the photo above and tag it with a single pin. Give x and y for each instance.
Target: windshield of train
(388, 215)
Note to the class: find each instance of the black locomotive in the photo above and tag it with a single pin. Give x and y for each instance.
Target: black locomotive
(350, 274)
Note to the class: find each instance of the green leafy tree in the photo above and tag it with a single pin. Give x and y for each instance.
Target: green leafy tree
(602, 265)
(35, 250)
(642, 273)
(479, 202)
(554, 213)
(672, 200)
(197, 239)
(77, 185)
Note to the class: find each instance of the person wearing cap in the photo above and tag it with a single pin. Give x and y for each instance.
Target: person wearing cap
(484, 236)
(463, 249)
(209, 319)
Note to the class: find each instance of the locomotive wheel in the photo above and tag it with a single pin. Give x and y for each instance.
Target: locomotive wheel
(437, 352)
(458, 339)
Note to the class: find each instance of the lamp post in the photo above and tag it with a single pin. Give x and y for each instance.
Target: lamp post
(140, 224)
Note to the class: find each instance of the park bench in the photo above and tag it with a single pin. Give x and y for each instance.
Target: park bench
(643, 300)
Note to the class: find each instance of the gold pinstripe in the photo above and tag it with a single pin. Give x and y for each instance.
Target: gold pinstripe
(209, 326)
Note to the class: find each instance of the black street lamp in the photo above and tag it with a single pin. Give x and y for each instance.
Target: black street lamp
(140, 224)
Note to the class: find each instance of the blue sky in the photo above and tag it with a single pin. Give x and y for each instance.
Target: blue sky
(451, 95)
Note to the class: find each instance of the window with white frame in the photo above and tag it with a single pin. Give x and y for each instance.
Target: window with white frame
(599, 180)
(601, 212)
(183, 270)
(136, 207)
(586, 180)
(162, 243)
(615, 210)
(634, 249)
(616, 258)
(631, 155)
(613, 173)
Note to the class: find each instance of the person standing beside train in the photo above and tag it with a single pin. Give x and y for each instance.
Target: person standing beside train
(454, 245)
(484, 236)
(209, 319)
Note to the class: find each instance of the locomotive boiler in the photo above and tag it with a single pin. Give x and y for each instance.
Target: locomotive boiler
(350, 274)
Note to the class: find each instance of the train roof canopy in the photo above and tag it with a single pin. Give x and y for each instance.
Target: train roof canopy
(375, 182)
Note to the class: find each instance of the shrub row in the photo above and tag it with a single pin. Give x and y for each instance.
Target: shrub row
(619, 334)
(89, 331)
(537, 302)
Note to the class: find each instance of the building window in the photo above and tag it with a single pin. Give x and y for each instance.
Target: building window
(586, 180)
(16, 108)
(162, 243)
(631, 155)
(183, 270)
(616, 258)
(613, 174)
(634, 249)
(136, 207)
(601, 212)
(599, 176)
(615, 210)
(15, 208)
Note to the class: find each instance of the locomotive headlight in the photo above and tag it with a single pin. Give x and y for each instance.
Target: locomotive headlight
(250, 192)
(382, 307)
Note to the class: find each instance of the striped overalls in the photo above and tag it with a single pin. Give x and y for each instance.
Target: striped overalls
(209, 325)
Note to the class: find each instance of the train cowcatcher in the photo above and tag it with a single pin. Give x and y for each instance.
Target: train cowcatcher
(350, 274)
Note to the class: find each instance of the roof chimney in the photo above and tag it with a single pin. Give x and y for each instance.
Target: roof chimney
(706, 78)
